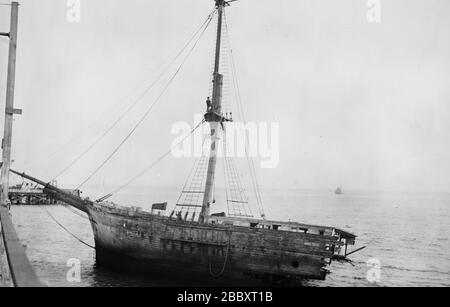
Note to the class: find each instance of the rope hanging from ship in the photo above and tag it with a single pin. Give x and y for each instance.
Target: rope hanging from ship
(236, 197)
(165, 64)
(227, 254)
(206, 235)
(149, 167)
(197, 34)
(127, 137)
(241, 113)
(65, 229)
(234, 192)
(75, 211)
(191, 205)
(240, 109)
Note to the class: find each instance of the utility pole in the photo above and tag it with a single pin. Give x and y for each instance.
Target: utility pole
(9, 108)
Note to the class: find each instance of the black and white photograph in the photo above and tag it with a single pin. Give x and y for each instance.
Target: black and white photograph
(240, 145)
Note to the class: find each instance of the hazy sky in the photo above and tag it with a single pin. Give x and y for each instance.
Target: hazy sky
(362, 105)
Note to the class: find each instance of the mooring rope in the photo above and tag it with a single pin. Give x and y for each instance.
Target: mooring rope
(74, 211)
(65, 229)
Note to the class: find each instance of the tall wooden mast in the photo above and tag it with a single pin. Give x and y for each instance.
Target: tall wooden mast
(9, 108)
(215, 118)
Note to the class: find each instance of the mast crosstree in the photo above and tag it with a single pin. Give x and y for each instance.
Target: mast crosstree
(197, 195)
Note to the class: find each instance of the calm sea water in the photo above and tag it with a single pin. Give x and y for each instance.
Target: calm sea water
(408, 234)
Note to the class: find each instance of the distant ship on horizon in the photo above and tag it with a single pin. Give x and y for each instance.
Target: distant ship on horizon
(338, 191)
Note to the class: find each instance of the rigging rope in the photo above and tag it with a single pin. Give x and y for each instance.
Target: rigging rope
(250, 161)
(151, 165)
(233, 185)
(147, 112)
(74, 211)
(225, 168)
(119, 102)
(146, 91)
(196, 168)
(65, 229)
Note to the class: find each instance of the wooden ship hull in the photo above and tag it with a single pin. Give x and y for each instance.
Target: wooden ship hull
(226, 250)
(219, 250)
(199, 245)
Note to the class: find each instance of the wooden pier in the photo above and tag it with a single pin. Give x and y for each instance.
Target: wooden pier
(15, 268)
(5, 274)
(25, 195)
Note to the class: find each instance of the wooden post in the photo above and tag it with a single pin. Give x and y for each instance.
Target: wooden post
(9, 109)
(21, 271)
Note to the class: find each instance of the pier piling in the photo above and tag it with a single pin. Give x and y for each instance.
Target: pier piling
(15, 268)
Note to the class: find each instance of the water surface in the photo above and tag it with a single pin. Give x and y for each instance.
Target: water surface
(408, 233)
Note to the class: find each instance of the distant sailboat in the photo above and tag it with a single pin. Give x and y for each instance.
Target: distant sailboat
(338, 191)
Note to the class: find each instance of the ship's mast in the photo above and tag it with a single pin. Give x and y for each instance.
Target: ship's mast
(215, 118)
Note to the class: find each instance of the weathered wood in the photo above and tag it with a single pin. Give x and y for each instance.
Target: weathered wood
(9, 108)
(23, 196)
(355, 251)
(14, 111)
(22, 273)
(14, 264)
(152, 242)
(214, 124)
(5, 275)
(66, 196)
(131, 237)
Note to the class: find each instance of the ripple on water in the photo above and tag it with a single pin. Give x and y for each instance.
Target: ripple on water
(412, 251)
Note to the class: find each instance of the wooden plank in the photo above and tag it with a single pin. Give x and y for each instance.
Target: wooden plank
(22, 273)
(5, 276)
(12, 111)
(195, 242)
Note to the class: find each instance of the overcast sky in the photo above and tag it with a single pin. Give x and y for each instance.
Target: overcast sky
(362, 105)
